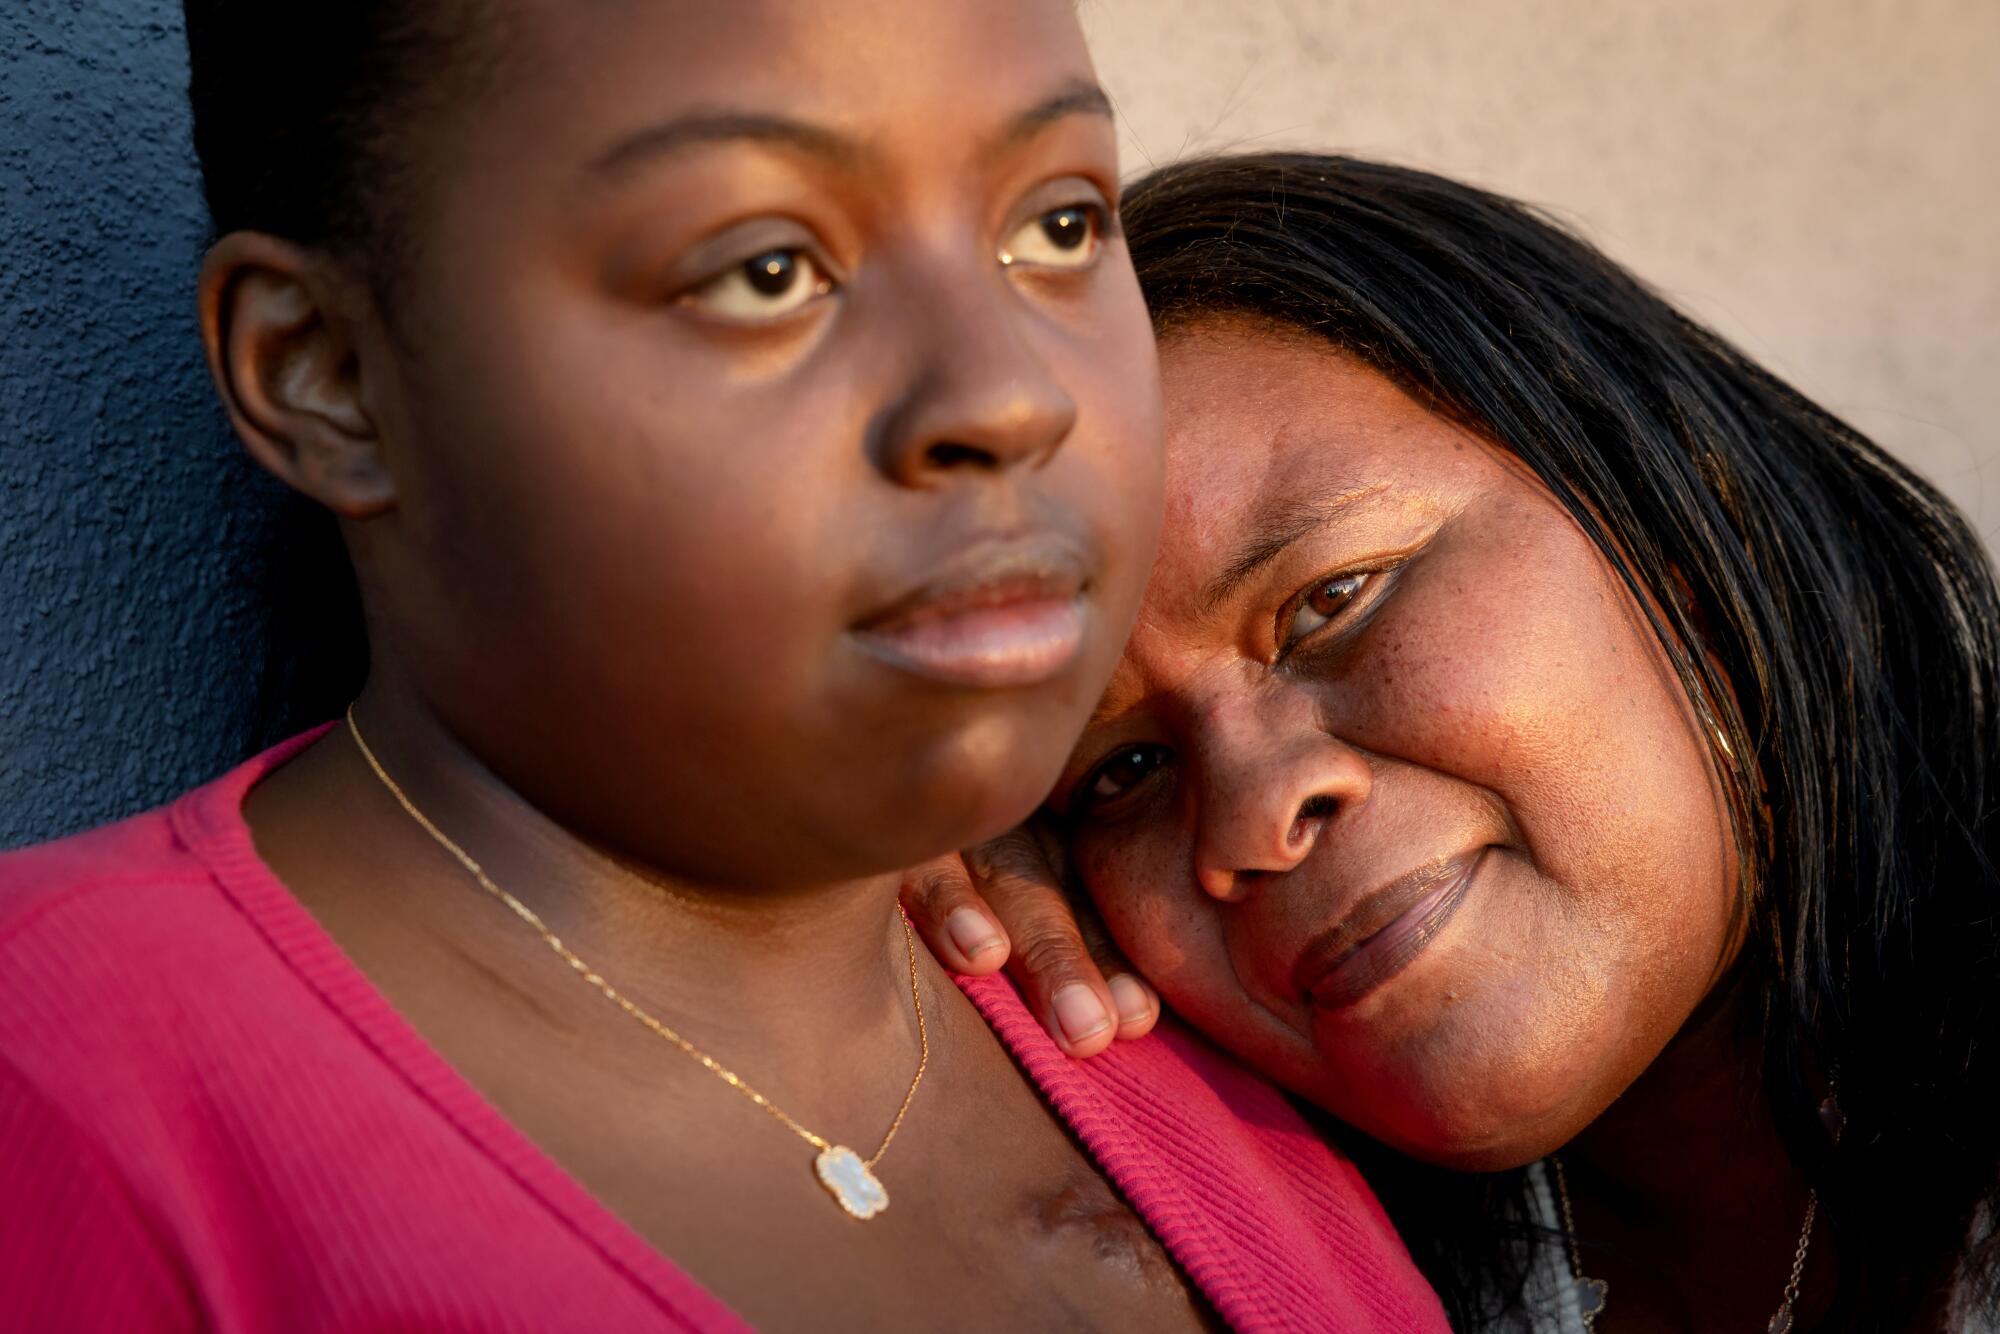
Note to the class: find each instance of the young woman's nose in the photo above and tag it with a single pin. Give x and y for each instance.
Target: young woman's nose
(1272, 777)
(982, 397)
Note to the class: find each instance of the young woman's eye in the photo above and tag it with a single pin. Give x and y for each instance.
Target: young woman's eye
(1326, 601)
(1063, 238)
(766, 286)
(1120, 772)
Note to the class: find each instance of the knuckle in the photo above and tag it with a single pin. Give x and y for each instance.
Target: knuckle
(1109, 963)
(1047, 952)
(936, 887)
(1025, 894)
(1011, 863)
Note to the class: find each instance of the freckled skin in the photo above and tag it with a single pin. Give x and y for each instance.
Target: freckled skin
(1494, 687)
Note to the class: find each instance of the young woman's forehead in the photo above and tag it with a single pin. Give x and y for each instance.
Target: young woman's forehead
(946, 67)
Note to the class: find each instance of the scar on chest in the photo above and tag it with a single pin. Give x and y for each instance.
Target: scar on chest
(1082, 1208)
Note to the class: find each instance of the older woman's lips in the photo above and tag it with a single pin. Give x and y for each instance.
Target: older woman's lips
(1001, 615)
(1384, 933)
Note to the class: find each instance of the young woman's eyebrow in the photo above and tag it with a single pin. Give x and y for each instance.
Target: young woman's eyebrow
(717, 125)
(710, 125)
(1079, 98)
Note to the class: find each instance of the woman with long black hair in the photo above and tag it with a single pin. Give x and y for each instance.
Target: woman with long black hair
(1557, 749)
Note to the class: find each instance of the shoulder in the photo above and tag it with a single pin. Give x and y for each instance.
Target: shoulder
(126, 895)
(127, 965)
(1271, 1220)
(92, 970)
(114, 898)
(134, 856)
(108, 941)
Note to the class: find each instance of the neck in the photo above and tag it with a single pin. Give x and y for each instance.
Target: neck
(1686, 1176)
(797, 975)
(1698, 1115)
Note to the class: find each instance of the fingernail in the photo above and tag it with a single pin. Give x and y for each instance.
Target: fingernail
(1129, 994)
(971, 932)
(1080, 1013)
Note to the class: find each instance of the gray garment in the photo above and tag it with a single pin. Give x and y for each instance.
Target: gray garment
(1551, 1291)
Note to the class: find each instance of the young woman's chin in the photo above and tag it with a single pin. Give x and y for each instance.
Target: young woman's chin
(958, 764)
(980, 782)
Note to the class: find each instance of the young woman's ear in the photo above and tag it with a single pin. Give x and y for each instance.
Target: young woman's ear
(285, 358)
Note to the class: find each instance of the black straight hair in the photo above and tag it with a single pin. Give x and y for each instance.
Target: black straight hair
(1832, 618)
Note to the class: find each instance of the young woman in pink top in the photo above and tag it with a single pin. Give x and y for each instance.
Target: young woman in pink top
(742, 420)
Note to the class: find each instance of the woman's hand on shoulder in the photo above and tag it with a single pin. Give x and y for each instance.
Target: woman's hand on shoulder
(1003, 904)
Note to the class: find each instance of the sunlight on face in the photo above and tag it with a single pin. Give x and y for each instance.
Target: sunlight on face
(724, 346)
(1395, 792)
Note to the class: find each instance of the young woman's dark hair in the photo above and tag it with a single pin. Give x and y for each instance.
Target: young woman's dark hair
(1831, 617)
(302, 116)
(303, 113)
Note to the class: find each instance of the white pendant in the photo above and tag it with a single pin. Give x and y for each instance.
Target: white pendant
(848, 1179)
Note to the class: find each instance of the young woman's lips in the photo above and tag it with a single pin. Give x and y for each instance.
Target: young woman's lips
(1002, 614)
(1384, 933)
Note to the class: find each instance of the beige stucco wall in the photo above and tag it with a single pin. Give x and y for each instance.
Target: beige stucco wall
(1820, 179)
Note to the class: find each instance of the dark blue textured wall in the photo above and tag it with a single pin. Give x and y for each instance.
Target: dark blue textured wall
(132, 528)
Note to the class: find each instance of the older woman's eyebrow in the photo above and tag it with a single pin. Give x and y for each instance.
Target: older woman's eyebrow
(711, 125)
(1273, 534)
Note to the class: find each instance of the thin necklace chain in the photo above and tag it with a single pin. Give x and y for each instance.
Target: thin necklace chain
(1781, 1321)
(612, 994)
(1569, 1241)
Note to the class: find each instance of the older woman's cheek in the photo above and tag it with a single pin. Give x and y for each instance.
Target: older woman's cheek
(1534, 679)
(1141, 883)
(1180, 939)
(1129, 880)
(1532, 684)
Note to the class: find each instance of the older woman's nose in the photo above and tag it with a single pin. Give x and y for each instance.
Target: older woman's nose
(1272, 778)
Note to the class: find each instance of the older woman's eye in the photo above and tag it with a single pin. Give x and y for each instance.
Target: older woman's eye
(1120, 772)
(1063, 238)
(1321, 605)
(767, 286)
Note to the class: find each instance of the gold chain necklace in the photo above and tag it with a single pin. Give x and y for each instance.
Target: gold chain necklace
(1591, 1292)
(845, 1174)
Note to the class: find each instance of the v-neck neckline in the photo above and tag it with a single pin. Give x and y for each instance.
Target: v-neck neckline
(210, 822)
(1206, 1207)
